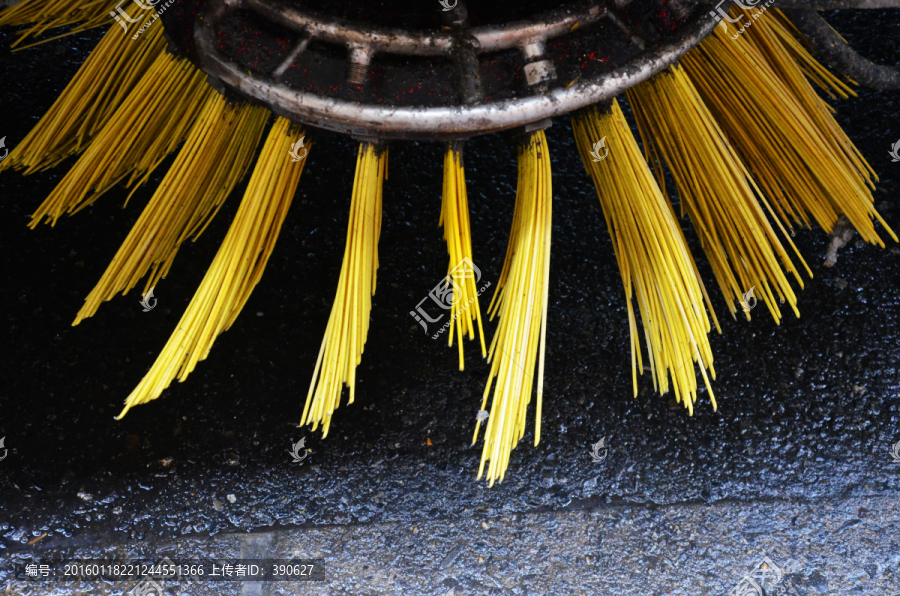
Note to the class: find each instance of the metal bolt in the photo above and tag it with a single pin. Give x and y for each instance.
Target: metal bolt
(358, 67)
(537, 68)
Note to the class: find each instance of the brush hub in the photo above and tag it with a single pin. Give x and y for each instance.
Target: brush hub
(414, 70)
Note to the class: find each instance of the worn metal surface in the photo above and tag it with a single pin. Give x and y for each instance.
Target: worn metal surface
(795, 465)
(434, 122)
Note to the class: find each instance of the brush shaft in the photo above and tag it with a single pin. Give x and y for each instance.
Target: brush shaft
(838, 55)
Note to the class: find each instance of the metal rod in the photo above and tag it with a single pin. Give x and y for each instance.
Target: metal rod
(289, 60)
(832, 49)
(468, 69)
(626, 29)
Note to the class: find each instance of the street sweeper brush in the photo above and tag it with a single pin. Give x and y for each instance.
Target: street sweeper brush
(723, 97)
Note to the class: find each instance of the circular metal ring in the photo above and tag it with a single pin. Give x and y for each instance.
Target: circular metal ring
(437, 122)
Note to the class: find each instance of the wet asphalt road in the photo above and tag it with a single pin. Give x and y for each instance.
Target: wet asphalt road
(795, 464)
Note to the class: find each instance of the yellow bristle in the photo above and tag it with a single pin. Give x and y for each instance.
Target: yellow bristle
(465, 311)
(236, 268)
(99, 87)
(764, 35)
(521, 301)
(215, 157)
(656, 266)
(151, 122)
(716, 190)
(51, 14)
(797, 46)
(348, 325)
(28, 12)
(800, 164)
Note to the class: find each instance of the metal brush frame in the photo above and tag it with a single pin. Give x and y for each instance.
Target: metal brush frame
(472, 117)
